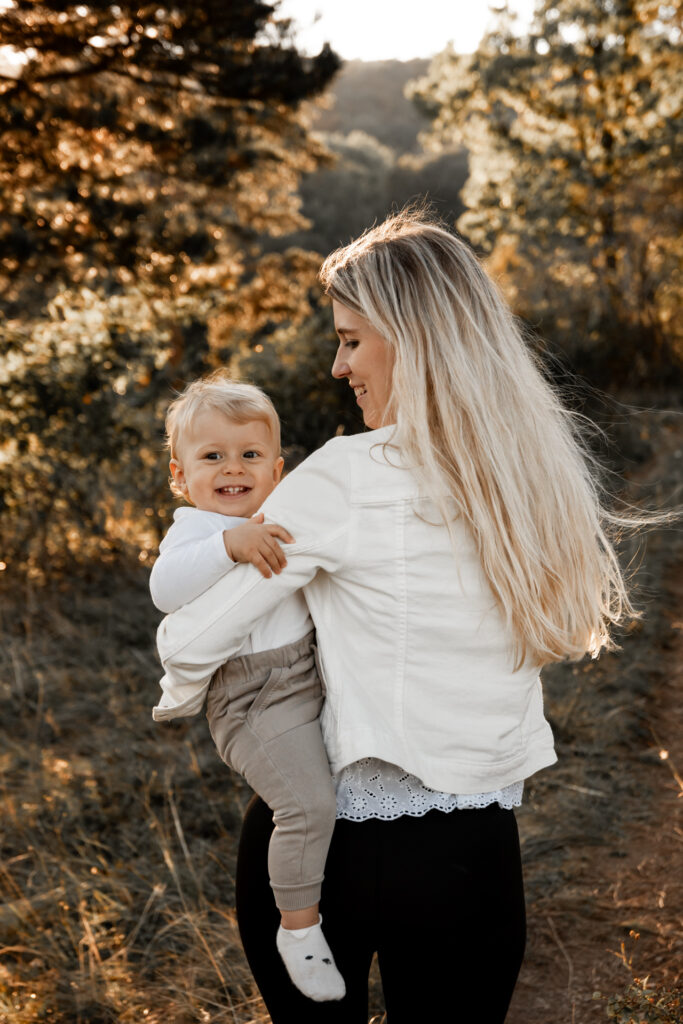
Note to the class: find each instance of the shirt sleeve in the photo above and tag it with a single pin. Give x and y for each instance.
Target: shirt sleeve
(313, 503)
(192, 557)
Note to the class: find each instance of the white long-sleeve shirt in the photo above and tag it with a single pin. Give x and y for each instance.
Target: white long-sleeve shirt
(192, 557)
(417, 661)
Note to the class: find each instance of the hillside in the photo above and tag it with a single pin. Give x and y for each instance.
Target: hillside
(371, 132)
(368, 96)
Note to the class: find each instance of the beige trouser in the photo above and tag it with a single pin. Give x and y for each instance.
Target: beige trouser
(263, 715)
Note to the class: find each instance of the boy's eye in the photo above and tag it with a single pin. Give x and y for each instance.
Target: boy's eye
(212, 455)
(251, 454)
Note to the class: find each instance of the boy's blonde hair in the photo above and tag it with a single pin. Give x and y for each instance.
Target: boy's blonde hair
(476, 420)
(218, 390)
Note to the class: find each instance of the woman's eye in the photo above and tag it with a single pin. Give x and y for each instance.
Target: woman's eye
(352, 344)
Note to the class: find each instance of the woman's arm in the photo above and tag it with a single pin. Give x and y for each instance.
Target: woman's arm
(313, 504)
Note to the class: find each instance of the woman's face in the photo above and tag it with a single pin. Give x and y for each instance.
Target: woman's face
(366, 360)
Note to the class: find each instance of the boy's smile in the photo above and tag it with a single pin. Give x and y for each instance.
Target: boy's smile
(225, 466)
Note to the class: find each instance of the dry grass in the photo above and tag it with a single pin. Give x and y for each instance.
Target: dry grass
(119, 836)
(602, 831)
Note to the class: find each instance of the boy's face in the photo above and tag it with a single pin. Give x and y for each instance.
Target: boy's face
(224, 466)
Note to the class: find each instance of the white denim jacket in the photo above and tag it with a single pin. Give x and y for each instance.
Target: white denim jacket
(417, 662)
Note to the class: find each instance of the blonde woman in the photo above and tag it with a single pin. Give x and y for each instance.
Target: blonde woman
(445, 555)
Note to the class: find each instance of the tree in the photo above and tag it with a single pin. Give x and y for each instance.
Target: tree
(146, 140)
(572, 132)
(145, 150)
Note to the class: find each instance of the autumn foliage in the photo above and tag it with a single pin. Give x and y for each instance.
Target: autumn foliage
(573, 133)
(146, 153)
(151, 228)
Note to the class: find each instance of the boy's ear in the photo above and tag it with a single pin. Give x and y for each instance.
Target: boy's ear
(177, 474)
(277, 469)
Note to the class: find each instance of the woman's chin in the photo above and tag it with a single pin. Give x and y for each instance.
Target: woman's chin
(374, 422)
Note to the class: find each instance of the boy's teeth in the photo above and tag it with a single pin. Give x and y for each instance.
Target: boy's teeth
(232, 490)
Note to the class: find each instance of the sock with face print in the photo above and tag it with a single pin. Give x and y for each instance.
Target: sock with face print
(310, 963)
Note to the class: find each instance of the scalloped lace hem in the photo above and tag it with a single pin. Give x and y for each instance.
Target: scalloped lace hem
(371, 788)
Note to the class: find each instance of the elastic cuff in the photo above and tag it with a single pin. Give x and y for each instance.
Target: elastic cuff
(297, 897)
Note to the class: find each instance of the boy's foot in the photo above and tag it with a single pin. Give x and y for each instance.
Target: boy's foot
(310, 963)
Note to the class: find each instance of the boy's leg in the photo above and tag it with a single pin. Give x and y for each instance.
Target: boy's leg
(304, 820)
(347, 921)
(263, 716)
(274, 741)
(291, 773)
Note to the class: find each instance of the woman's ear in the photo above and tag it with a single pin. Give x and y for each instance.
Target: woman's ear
(178, 475)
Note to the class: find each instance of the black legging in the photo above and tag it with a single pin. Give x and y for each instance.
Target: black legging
(439, 898)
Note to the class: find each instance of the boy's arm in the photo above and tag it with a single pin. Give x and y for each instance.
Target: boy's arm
(192, 557)
(314, 503)
(197, 552)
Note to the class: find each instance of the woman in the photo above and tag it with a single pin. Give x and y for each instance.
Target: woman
(445, 555)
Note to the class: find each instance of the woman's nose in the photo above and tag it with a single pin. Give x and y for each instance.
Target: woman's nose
(340, 368)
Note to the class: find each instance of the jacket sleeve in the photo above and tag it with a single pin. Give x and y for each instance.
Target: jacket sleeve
(313, 503)
(192, 557)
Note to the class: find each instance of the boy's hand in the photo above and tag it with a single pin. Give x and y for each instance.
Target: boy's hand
(255, 542)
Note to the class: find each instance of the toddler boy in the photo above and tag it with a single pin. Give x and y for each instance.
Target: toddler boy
(262, 705)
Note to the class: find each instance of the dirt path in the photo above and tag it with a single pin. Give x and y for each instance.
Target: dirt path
(602, 831)
(618, 913)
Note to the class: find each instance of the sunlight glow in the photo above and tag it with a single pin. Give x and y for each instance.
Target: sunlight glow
(359, 30)
(11, 60)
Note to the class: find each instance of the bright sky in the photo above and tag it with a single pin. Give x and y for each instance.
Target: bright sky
(377, 29)
(394, 29)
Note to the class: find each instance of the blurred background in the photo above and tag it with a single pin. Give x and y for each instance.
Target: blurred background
(171, 175)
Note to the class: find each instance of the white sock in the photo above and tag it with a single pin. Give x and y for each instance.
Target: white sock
(310, 963)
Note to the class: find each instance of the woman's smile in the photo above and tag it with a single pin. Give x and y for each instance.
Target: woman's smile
(365, 358)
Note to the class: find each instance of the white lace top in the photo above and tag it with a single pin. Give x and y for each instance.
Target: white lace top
(371, 788)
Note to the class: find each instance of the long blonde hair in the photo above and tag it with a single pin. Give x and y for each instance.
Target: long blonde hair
(473, 412)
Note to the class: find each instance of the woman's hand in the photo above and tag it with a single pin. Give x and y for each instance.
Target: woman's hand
(255, 542)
